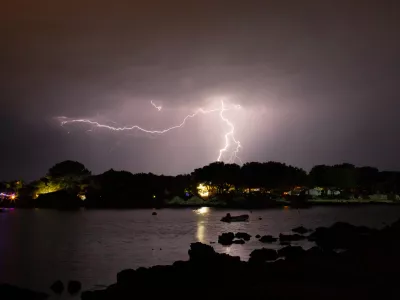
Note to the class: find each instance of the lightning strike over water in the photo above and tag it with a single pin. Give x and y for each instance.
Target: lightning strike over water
(229, 137)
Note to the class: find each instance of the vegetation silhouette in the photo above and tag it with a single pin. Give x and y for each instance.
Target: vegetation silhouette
(69, 184)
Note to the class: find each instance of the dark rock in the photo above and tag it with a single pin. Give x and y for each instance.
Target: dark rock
(57, 287)
(286, 243)
(258, 236)
(154, 213)
(267, 239)
(9, 292)
(95, 295)
(367, 270)
(201, 252)
(291, 252)
(340, 236)
(126, 276)
(317, 252)
(291, 237)
(300, 229)
(212, 242)
(226, 239)
(74, 287)
(262, 255)
(314, 251)
(240, 242)
(260, 218)
(243, 235)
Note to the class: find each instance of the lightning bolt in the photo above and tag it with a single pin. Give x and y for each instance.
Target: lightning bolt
(157, 107)
(229, 136)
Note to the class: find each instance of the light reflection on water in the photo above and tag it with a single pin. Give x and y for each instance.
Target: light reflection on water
(200, 232)
(201, 222)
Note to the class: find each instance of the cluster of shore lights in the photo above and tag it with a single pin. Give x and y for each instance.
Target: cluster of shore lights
(202, 190)
(11, 196)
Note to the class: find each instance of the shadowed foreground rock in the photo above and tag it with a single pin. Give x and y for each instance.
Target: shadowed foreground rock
(74, 287)
(368, 267)
(57, 287)
(9, 292)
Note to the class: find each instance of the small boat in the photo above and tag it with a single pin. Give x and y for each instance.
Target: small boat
(228, 218)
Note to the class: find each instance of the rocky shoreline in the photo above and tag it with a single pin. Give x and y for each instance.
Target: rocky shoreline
(347, 262)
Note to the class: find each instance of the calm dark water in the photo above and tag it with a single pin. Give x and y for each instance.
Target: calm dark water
(39, 246)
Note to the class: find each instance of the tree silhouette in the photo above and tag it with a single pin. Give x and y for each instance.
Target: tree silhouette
(68, 168)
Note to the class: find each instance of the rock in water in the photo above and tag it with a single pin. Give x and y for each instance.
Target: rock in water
(74, 287)
(243, 235)
(268, 239)
(300, 229)
(240, 242)
(291, 237)
(57, 287)
(226, 239)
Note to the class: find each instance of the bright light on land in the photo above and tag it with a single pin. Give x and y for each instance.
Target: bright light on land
(203, 191)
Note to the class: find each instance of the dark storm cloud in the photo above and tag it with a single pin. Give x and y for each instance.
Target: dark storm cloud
(318, 81)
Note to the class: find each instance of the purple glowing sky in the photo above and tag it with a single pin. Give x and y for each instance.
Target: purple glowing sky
(317, 82)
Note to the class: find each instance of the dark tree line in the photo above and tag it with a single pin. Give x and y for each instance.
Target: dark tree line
(367, 180)
(269, 175)
(71, 180)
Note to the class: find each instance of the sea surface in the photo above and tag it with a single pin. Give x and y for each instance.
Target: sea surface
(40, 246)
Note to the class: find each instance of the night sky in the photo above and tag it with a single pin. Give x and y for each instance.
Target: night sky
(318, 82)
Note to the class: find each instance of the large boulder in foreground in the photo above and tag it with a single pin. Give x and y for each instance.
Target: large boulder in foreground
(201, 252)
(340, 236)
(366, 271)
(291, 252)
(9, 292)
(126, 276)
(263, 255)
(74, 287)
(57, 287)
